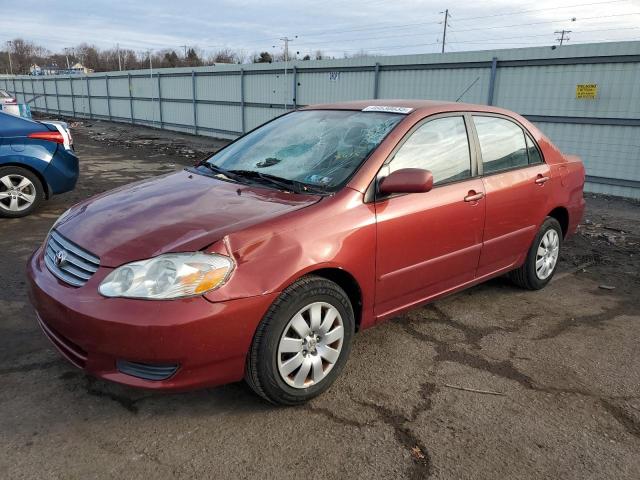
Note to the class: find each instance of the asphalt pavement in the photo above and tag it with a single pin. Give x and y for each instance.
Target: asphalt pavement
(494, 382)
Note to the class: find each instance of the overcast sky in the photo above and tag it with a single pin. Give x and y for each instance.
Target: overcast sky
(334, 26)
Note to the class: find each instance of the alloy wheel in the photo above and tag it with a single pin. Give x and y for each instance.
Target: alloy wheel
(547, 254)
(17, 193)
(310, 345)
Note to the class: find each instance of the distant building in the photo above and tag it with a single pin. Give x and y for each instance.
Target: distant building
(47, 70)
(77, 69)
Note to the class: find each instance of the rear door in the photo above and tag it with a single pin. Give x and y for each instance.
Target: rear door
(430, 242)
(515, 183)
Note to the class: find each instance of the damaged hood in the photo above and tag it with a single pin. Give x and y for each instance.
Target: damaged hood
(179, 212)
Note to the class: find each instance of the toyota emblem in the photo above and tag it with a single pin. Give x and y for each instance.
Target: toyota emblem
(61, 258)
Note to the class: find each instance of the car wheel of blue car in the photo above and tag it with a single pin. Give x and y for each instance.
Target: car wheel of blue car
(20, 192)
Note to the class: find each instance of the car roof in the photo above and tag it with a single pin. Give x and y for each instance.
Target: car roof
(426, 107)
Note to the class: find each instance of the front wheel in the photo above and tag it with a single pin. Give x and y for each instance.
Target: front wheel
(302, 343)
(542, 258)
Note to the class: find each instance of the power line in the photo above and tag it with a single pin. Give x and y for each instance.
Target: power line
(481, 42)
(413, 34)
(386, 25)
(546, 22)
(541, 10)
(577, 32)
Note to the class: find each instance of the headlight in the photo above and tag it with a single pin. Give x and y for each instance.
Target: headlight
(168, 276)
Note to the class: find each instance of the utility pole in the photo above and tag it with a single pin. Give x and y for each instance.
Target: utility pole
(444, 31)
(153, 110)
(66, 55)
(118, 53)
(9, 46)
(286, 41)
(563, 36)
(185, 50)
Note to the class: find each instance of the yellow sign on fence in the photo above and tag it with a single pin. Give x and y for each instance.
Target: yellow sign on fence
(586, 91)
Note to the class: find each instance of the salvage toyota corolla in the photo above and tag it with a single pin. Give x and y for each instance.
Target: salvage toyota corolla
(262, 261)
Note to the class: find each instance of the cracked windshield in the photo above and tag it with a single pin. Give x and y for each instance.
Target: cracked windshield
(317, 148)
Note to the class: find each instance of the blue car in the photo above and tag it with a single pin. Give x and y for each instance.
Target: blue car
(37, 161)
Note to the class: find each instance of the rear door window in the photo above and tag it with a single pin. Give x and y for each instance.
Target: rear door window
(502, 144)
(439, 145)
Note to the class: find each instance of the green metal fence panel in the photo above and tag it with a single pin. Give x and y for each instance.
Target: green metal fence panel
(545, 84)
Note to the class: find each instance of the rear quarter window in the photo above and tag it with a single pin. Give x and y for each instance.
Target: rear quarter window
(534, 153)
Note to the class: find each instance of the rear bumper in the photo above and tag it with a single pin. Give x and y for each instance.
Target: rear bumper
(576, 213)
(208, 342)
(62, 172)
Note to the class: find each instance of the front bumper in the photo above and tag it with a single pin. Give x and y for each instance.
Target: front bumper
(208, 341)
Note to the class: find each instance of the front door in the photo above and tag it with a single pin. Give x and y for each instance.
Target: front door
(429, 243)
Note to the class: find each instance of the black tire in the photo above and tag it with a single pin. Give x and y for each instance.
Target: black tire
(261, 371)
(38, 191)
(526, 276)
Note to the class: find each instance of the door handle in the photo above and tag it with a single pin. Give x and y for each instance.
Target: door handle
(541, 179)
(473, 196)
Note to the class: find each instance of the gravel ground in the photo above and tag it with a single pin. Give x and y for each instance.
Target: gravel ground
(493, 382)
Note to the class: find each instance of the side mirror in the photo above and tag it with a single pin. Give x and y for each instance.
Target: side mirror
(407, 180)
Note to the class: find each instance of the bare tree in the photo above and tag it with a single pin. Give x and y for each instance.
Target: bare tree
(89, 56)
(24, 54)
(360, 53)
(242, 56)
(226, 55)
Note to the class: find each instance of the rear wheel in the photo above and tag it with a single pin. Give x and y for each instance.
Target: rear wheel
(542, 259)
(302, 343)
(20, 192)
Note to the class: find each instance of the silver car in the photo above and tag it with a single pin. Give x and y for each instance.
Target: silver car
(6, 98)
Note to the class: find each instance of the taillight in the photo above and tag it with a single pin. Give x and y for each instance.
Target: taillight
(48, 136)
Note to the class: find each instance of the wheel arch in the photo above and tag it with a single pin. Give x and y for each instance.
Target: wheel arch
(348, 283)
(38, 174)
(561, 214)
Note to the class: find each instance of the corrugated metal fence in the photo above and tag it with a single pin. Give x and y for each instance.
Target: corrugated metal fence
(539, 83)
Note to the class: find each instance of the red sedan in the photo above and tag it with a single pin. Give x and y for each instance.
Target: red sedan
(264, 260)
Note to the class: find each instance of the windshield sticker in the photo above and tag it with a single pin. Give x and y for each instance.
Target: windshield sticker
(389, 109)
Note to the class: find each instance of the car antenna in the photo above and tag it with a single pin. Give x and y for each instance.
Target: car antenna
(467, 89)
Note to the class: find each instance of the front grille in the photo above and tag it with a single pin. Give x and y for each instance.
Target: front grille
(147, 371)
(69, 262)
